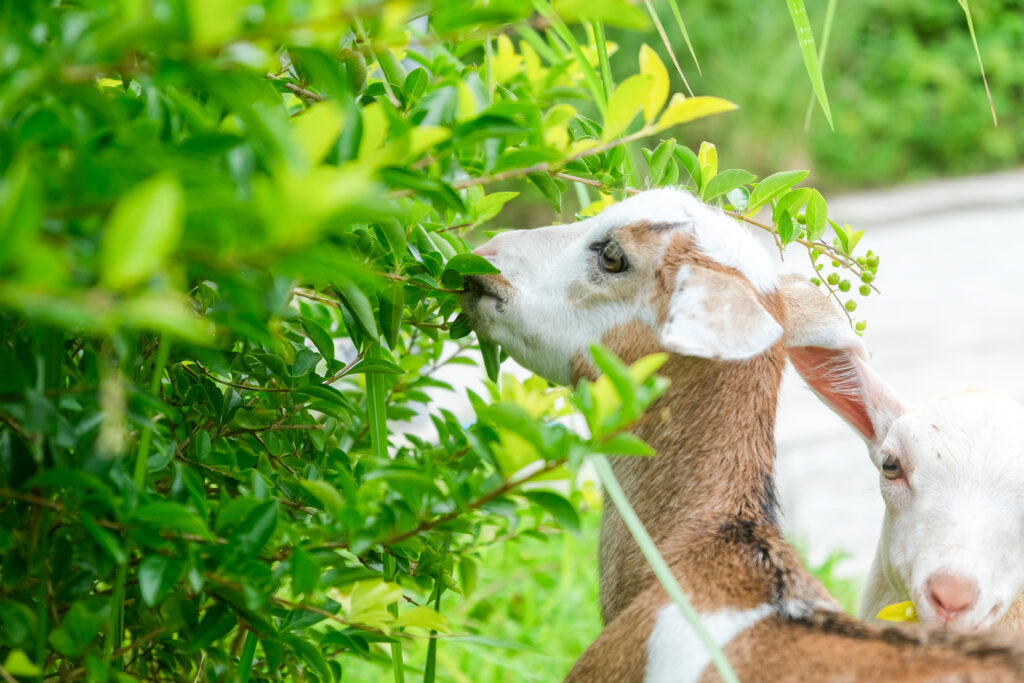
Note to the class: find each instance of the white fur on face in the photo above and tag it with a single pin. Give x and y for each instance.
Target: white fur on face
(546, 269)
(961, 510)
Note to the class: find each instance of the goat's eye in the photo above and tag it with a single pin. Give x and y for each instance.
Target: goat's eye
(892, 469)
(612, 258)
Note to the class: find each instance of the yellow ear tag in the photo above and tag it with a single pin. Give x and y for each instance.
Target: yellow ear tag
(901, 611)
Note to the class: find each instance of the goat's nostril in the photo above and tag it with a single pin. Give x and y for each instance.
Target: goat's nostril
(951, 595)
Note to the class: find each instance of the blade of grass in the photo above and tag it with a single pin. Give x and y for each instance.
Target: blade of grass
(488, 61)
(245, 660)
(798, 12)
(602, 58)
(563, 32)
(527, 33)
(376, 415)
(686, 36)
(431, 666)
(659, 566)
(826, 31)
(668, 45)
(974, 39)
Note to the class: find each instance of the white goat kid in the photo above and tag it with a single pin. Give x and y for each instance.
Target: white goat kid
(661, 271)
(951, 473)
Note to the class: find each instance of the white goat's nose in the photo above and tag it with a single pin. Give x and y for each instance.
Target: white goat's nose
(951, 595)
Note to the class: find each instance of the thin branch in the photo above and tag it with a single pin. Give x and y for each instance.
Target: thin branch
(269, 428)
(234, 385)
(497, 492)
(296, 90)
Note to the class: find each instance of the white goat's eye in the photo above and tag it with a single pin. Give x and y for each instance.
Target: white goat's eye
(892, 469)
(612, 258)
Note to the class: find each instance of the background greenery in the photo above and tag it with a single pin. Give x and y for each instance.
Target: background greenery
(232, 239)
(902, 78)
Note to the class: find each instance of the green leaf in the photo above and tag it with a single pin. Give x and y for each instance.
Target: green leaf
(358, 305)
(548, 188)
(172, 517)
(651, 65)
(816, 215)
(305, 572)
(690, 162)
(708, 158)
(805, 37)
(561, 509)
(659, 161)
(424, 618)
(325, 493)
(725, 181)
(317, 130)
(142, 231)
(492, 359)
(320, 337)
(469, 263)
(489, 207)
(625, 443)
(772, 186)
(375, 365)
(682, 109)
(256, 529)
(17, 663)
(157, 576)
(787, 227)
(623, 105)
(392, 309)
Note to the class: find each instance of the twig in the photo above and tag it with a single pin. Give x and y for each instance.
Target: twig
(507, 486)
(301, 92)
(269, 428)
(234, 385)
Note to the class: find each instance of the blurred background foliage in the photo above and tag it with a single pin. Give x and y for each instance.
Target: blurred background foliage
(232, 239)
(902, 77)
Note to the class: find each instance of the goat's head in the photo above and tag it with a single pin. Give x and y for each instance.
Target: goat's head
(951, 472)
(659, 270)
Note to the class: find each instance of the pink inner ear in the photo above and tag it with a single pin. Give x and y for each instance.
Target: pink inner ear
(834, 376)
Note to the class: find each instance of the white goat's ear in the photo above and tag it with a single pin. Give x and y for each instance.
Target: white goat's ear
(831, 359)
(713, 315)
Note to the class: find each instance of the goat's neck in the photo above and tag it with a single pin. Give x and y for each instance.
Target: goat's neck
(713, 432)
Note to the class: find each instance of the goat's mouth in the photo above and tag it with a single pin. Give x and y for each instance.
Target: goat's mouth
(478, 287)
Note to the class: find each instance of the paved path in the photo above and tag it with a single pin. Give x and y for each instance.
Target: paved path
(951, 316)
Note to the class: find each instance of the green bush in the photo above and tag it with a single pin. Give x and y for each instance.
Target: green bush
(232, 240)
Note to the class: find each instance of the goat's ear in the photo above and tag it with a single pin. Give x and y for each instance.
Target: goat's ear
(713, 315)
(831, 359)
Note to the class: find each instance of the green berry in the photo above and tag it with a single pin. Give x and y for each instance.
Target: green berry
(833, 279)
(816, 282)
(844, 286)
(861, 324)
(851, 305)
(864, 290)
(835, 264)
(867, 277)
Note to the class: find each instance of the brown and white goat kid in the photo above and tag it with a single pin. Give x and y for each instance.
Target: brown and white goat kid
(661, 271)
(951, 473)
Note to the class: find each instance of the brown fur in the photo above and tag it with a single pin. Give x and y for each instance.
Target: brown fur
(708, 501)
